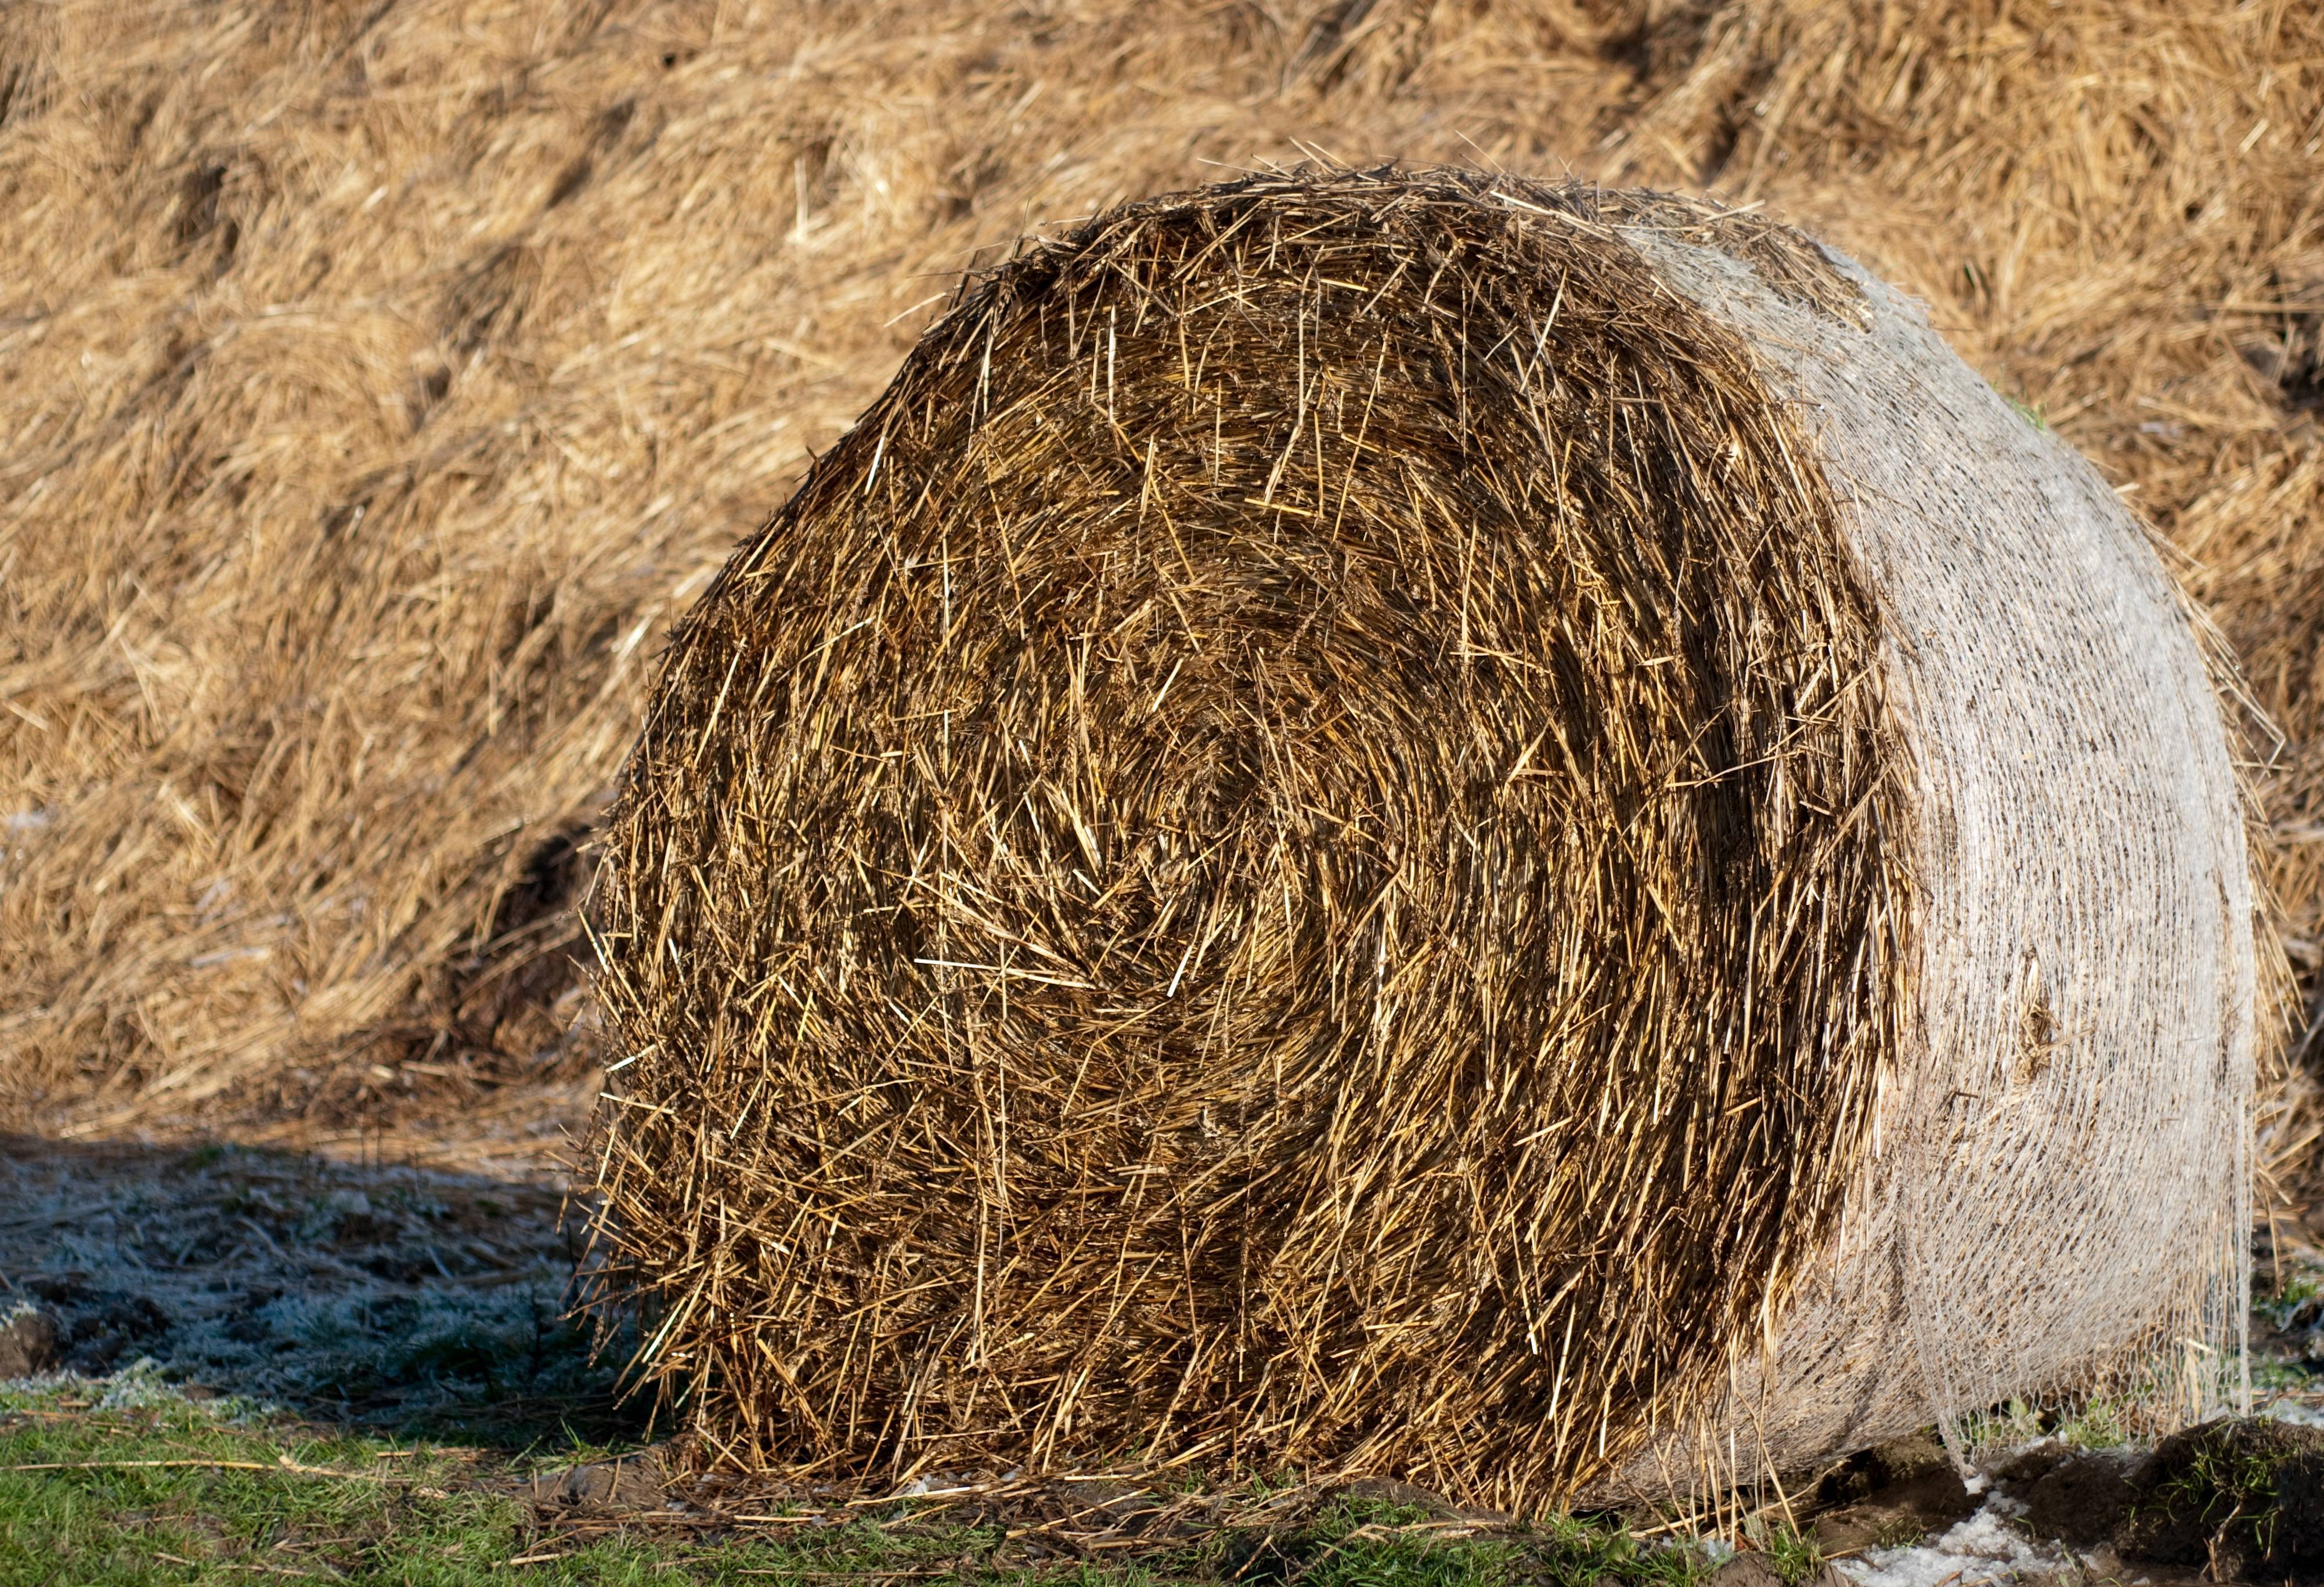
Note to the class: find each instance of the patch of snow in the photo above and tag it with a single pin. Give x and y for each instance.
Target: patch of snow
(2294, 1412)
(1983, 1549)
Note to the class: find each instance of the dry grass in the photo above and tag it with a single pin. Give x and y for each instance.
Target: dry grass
(383, 379)
(1132, 901)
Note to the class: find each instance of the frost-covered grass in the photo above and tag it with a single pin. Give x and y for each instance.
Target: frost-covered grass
(383, 1296)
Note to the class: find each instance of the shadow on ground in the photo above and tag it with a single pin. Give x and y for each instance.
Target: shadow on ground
(389, 1297)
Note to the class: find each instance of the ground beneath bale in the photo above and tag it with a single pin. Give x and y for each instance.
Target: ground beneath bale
(131, 1479)
(407, 1320)
(2234, 1499)
(128, 1480)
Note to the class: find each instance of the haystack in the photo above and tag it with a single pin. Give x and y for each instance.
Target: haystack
(1417, 824)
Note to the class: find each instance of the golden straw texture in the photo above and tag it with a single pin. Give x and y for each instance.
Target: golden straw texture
(1303, 799)
(1311, 844)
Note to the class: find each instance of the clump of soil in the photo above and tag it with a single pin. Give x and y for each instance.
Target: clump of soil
(2240, 1499)
(1758, 1569)
(1890, 1495)
(94, 1329)
(29, 1342)
(2078, 1497)
(2243, 1497)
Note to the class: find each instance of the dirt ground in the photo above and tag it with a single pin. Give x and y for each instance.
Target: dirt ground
(412, 1282)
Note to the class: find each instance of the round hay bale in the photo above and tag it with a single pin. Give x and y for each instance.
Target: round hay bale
(1418, 823)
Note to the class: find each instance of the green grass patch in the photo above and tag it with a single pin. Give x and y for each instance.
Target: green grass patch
(1795, 1555)
(104, 1483)
(128, 1483)
(1361, 1542)
(2095, 1422)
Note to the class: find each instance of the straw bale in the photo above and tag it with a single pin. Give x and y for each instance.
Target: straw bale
(1421, 823)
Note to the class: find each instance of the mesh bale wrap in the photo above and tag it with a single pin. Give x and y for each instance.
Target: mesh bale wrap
(1428, 825)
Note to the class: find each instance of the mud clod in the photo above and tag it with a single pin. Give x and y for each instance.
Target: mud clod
(1893, 1493)
(2236, 1500)
(1747, 1570)
(2084, 1500)
(29, 1342)
(1757, 1569)
(2243, 1499)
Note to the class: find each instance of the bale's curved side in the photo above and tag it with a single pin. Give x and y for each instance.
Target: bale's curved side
(2061, 1202)
(1305, 847)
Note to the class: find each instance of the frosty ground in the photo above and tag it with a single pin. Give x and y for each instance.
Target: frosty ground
(397, 1328)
